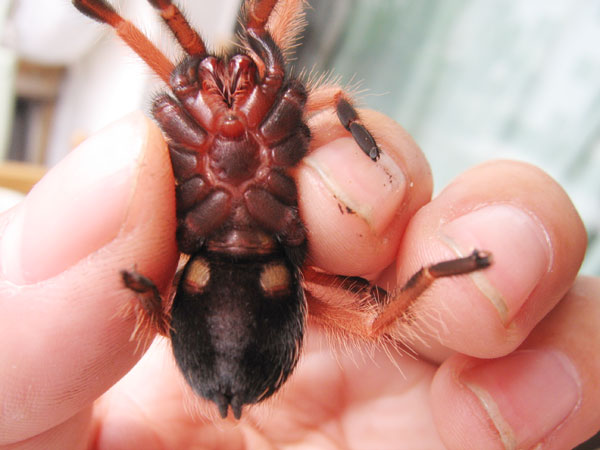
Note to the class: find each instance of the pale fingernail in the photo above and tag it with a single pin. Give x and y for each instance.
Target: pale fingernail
(77, 208)
(527, 395)
(520, 249)
(373, 190)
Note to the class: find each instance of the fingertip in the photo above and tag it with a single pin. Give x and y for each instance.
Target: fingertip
(85, 201)
(356, 209)
(517, 401)
(458, 416)
(528, 223)
(146, 239)
(64, 337)
(346, 209)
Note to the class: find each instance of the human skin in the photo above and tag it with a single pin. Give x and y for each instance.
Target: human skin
(506, 365)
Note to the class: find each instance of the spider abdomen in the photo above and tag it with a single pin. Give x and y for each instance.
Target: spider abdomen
(237, 325)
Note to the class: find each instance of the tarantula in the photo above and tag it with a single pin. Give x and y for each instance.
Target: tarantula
(236, 126)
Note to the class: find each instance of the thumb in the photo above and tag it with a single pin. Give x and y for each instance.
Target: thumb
(109, 205)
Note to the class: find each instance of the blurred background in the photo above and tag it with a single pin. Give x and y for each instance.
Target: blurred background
(470, 80)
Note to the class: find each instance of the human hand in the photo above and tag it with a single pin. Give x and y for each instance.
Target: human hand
(66, 351)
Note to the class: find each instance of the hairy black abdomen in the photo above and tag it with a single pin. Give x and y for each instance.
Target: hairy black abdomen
(237, 327)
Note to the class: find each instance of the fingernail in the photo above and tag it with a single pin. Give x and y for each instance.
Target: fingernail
(520, 249)
(77, 208)
(373, 190)
(527, 395)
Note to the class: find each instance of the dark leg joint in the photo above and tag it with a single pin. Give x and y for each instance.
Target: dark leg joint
(350, 120)
(99, 10)
(149, 312)
(475, 261)
(365, 140)
(400, 304)
(187, 37)
(139, 284)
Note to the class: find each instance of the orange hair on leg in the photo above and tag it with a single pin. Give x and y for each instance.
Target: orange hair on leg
(102, 11)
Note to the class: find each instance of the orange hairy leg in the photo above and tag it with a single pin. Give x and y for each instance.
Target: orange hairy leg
(369, 311)
(103, 12)
(187, 37)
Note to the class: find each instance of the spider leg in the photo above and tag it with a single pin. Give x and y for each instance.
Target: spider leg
(150, 311)
(399, 302)
(368, 311)
(102, 11)
(347, 304)
(187, 37)
(329, 96)
(349, 118)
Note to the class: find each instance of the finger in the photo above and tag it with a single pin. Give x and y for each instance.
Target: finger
(144, 408)
(355, 210)
(108, 206)
(71, 434)
(545, 393)
(371, 408)
(374, 403)
(537, 240)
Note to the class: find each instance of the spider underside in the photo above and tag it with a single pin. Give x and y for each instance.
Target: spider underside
(236, 126)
